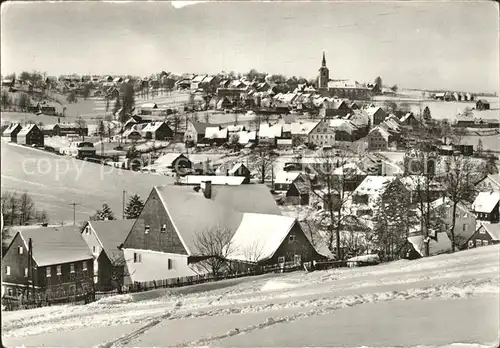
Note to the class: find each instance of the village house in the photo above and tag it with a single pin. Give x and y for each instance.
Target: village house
(491, 183)
(417, 186)
(198, 180)
(482, 104)
(132, 135)
(378, 139)
(103, 239)
(361, 120)
(195, 131)
(486, 206)
(284, 180)
(65, 129)
(415, 246)
(334, 107)
(157, 131)
(147, 108)
(54, 272)
(322, 134)
(300, 132)
(486, 234)
(465, 220)
(240, 170)
(11, 132)
(377, 115)
(298, 193)
(215, 135)
(351, 174)
(30, 135)
(365, 196)
(269, 133)
(409, 119)
(163, 243)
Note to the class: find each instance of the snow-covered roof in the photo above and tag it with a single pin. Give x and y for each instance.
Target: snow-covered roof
(215, 179)
(236, 128)
(215, 133)
(303, 128)
(149, 106)
(442, 245)
(11, 128)
(347, 169)
(246, 137)
(373, 185)
(259, 236)
(493, 230)
(70, 245)
(372, 110)
(413, 182)
(445, 201)
(285, 177)
(270, 131)
(342, 125)
(236, 167)
(385, 134)
(407, 116)
(198, 78)
(152, 127)
(26, 129)
(485, 202)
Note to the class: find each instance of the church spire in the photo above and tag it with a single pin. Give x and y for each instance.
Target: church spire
(323, 62)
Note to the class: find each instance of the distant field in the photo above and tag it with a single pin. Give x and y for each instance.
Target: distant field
(29, 117)
(56, 181)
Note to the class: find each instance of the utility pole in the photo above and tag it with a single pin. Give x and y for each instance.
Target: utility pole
(30, 268)
(123, 205)
(74, 212)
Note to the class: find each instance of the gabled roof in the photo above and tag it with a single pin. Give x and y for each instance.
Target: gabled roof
(149, 106)
(56, 245)
(153, 126)
(374, 185)
(303, 128)
(385, 134)
(200, 127)
(215, 133)
(215, 179)
(372, 110)
(485, 202)
(111, 234)
(342, 125)
(493, 230)
(259, 236)
(12, 127)
(198, 78)
(442, 245)
(236, 167)
(26, 129)
(447, 203)
(193, 214)
(286, 177)
(270, 131)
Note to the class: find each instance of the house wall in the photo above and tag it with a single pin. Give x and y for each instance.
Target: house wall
(109, 276)
(376, 141)
(463, 219)
(492, 217)
(153, 265)
(154, 215)
(289, 248)
(479, 238)
(66, 280)
(90, 237)
(17, 262)
(322, 134)
(34, 137)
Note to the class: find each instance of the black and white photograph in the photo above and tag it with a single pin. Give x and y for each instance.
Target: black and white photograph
(250, 174)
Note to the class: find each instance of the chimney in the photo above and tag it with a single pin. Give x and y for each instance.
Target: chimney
(206, 187)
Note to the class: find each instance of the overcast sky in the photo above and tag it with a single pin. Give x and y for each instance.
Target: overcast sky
(420, 45)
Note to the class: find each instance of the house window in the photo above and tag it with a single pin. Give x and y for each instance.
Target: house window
(146, 229)
(137, 257)
(84, 265)
(93, 248)
(20, 250)
(292, 237)
(87, 230)
(59, 270)
(464, 228)
(9, 291)
(281, 259)
(479, 242)
(170, 264)
(482, 231)
(163, 228)
(485, 242)
(297, 259)
(8, 270)
(48, 272)
(25, 272)
(471, 244)
(72, 268)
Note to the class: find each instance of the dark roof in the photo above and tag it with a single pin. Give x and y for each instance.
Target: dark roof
(56, 245)
(484, 101)
(111, 234)
(200, 126)
(302, 187)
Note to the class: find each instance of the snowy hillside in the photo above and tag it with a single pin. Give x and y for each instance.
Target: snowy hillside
(434, 302)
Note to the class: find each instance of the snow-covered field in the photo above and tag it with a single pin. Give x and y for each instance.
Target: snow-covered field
(437, 301)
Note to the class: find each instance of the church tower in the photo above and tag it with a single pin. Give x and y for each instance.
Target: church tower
(324, 74)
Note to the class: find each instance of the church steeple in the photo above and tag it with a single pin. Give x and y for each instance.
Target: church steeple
(324, 74)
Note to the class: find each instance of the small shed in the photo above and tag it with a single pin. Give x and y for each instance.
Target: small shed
(482, 104)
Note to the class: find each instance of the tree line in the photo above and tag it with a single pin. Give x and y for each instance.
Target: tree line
(20, 209)
(132, 210)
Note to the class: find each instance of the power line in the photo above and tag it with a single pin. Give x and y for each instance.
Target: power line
(74, 212)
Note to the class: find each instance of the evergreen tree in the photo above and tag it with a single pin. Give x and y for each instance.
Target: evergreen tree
(117, 106)
(104, 214)
(392, 220)
(134, 207)
(427, 114)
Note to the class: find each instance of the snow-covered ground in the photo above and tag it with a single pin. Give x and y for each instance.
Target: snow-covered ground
(437, 301)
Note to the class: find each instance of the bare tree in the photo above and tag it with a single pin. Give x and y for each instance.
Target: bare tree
(214, 245)
(458, 181)
(264, 161)
(253, 252)
(81, 125)
(334, 196)
(26, 208)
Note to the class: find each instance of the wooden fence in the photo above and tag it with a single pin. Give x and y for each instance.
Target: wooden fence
(10, 303)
